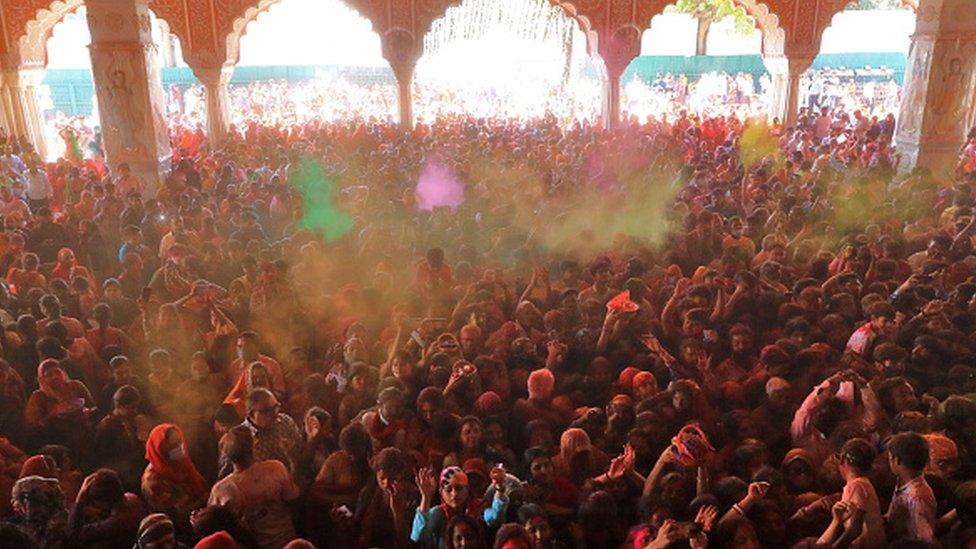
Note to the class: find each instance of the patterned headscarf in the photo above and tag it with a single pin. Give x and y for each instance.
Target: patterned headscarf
(153, 528)
(453, 475)
(48, 515)
(42, 492)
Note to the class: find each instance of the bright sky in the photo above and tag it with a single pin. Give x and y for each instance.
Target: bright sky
(325, 32)
(311, 32)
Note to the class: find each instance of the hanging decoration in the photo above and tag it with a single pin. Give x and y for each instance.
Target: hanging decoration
(533, 20)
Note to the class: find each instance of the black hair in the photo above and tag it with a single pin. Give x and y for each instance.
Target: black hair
(910, 449)
(859, 454)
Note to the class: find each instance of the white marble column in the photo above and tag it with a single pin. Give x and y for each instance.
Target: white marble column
(167, 45)
(616, 50)
(4, 118)
(611, 94)
(131, 105)
(215, 81)
(785, 73)
(22, 111)
(939, 97)
(404, 78)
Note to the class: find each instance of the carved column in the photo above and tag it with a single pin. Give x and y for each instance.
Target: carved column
(129, 89)
(617, 51)
(167, 45)
(404, 77)
(215, 81)
(402, 51)
(4, 120)
(939, 98)
(785, 73)
(18, 93)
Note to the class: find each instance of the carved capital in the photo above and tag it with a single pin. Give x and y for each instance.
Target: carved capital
(619, 49)
(214, 77)
(402, 50)
(784, 66)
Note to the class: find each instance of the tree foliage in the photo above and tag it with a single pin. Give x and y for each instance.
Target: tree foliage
(863, 5)
(716, 10)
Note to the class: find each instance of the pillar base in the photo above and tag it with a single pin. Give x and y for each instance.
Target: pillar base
(151, 173)
(939, 98)
(18, 95)
(215, 82)
(785, 72)
(939, 157)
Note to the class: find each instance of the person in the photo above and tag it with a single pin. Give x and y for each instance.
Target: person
(912, 512)
(257, 491)
(157, 531)
(39, 190)
(104, 514)
(59, 409)
(116, 444)
(171, 483)
(127, 182)
(856, 518)
(275, 434)
(247, 353)
(255, 376)
(430, 521)
(544, 486)
(384, 509)
(464, 532)
(41, 511)
(513, 536)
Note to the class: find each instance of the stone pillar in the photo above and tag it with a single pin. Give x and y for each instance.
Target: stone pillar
(128, 88)
(215, 81)
(405, 98)
(611, 95)
(785, 73)
(402, 50)
(617, 51)
(4, 120)
(18, 93)
(167, 45)
(939, 97)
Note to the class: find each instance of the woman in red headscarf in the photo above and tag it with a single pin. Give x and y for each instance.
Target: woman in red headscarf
(58, 411)
(171, 483)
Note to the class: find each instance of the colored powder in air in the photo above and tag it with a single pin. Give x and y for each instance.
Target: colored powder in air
(318, 200)
(758, 143)
(437, 187)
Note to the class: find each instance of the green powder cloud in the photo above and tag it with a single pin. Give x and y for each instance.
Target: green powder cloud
(321, 214)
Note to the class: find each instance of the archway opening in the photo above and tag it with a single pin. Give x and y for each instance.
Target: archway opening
(861, 65)
(68, 94)
(337, 71)
(506, 59)
(700, 56)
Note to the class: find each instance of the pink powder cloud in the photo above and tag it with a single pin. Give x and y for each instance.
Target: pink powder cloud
(437, 186)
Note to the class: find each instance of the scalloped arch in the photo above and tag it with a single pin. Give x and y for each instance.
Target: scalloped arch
(33, 37)
(32, 45)
(840, 6)
(774, 36)
(239, 25)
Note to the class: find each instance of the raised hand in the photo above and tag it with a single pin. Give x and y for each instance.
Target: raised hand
(706, 517)
(623, 463)
(498, 476)
(757, 490)
(426, 482)
(841, 511)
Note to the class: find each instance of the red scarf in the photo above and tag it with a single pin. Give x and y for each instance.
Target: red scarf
(386, 432)
(182, 472)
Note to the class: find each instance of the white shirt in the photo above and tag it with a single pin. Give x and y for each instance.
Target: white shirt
(38, 187)
(821, 127)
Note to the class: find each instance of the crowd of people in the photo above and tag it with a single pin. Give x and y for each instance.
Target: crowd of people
(705, 332)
